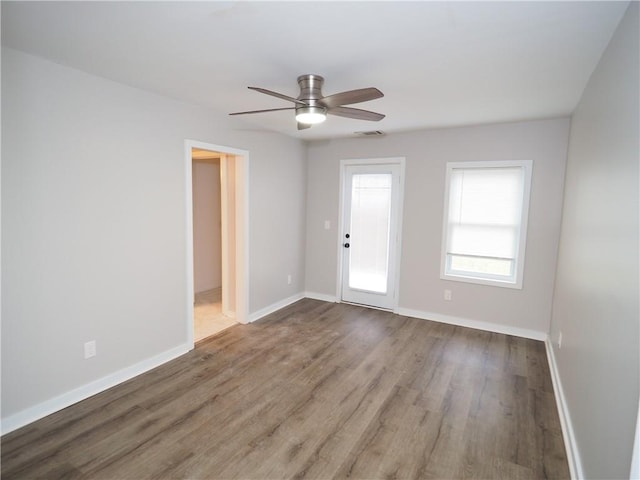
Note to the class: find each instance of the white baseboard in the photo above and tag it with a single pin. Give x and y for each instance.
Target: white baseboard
(477, 324)
(263, 312)
(55, 404)
(321, 296)
(570, 445)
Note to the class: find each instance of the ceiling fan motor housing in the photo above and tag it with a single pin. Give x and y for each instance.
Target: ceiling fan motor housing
(310, 87)
(311, 93)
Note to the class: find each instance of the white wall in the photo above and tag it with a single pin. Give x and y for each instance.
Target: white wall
(597, 288)
(94, 227)
(525, 311)
(207, 248)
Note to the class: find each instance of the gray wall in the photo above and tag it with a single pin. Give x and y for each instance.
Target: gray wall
(94, 224)
(207, 241)
(596, 295)
(427, 152)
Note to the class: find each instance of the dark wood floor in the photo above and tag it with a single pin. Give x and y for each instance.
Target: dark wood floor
(316, 390)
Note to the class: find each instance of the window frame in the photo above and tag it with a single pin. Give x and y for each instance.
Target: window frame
(516, 280)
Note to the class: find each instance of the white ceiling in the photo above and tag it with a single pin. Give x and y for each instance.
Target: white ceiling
(439, 64)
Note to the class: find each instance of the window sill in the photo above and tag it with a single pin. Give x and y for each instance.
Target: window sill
(482, 281)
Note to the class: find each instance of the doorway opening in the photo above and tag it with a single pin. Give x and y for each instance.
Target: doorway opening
(216, 238)
(209, 317)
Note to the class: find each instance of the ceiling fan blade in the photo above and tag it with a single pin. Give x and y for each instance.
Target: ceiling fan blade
(356, 113)
(303, 126)
(262, 111)
(278, 95)
(352, 96)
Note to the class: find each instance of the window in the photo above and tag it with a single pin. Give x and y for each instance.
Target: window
(485, 222)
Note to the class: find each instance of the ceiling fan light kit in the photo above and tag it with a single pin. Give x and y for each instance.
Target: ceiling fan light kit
(311, 115)
(311, 106)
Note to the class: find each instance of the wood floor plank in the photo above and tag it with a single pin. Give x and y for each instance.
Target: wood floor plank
(366, 458)
(314, 390)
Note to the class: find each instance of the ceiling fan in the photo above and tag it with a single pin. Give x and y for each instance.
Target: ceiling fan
(312, 107)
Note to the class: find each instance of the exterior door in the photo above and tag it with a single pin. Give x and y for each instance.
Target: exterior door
(371, 199)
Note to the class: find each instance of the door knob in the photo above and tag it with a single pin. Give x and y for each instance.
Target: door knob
(346, 245)
(347, 235)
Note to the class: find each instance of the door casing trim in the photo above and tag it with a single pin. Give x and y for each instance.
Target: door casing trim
(241, 163)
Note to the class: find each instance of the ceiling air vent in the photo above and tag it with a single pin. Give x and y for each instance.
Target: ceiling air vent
(370, 133)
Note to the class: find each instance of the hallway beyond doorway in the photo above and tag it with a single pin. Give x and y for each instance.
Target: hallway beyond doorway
(207, 314)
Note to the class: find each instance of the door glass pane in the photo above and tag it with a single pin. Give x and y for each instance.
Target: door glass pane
(370, 216)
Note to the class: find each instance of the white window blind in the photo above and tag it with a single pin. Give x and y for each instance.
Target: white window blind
(485, 217)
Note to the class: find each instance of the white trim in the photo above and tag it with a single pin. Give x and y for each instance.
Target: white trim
(274, 307)
(321, 296)
(340, 229)
(242, 236)
(517, 280)
(570, 445)
(31, 414)
(241, 164)
(399, 227)
(224, 234)
(477, 324)
(188, 188)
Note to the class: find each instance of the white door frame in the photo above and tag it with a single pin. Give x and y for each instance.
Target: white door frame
(225, 260)
(241, 162)
(398, 253)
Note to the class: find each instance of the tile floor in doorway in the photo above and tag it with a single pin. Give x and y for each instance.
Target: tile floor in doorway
(207, 314)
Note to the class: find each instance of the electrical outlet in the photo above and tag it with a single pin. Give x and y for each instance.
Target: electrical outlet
(560, 341)
(289, 279)
(327, 224)
(447, 294)
(90, 349)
